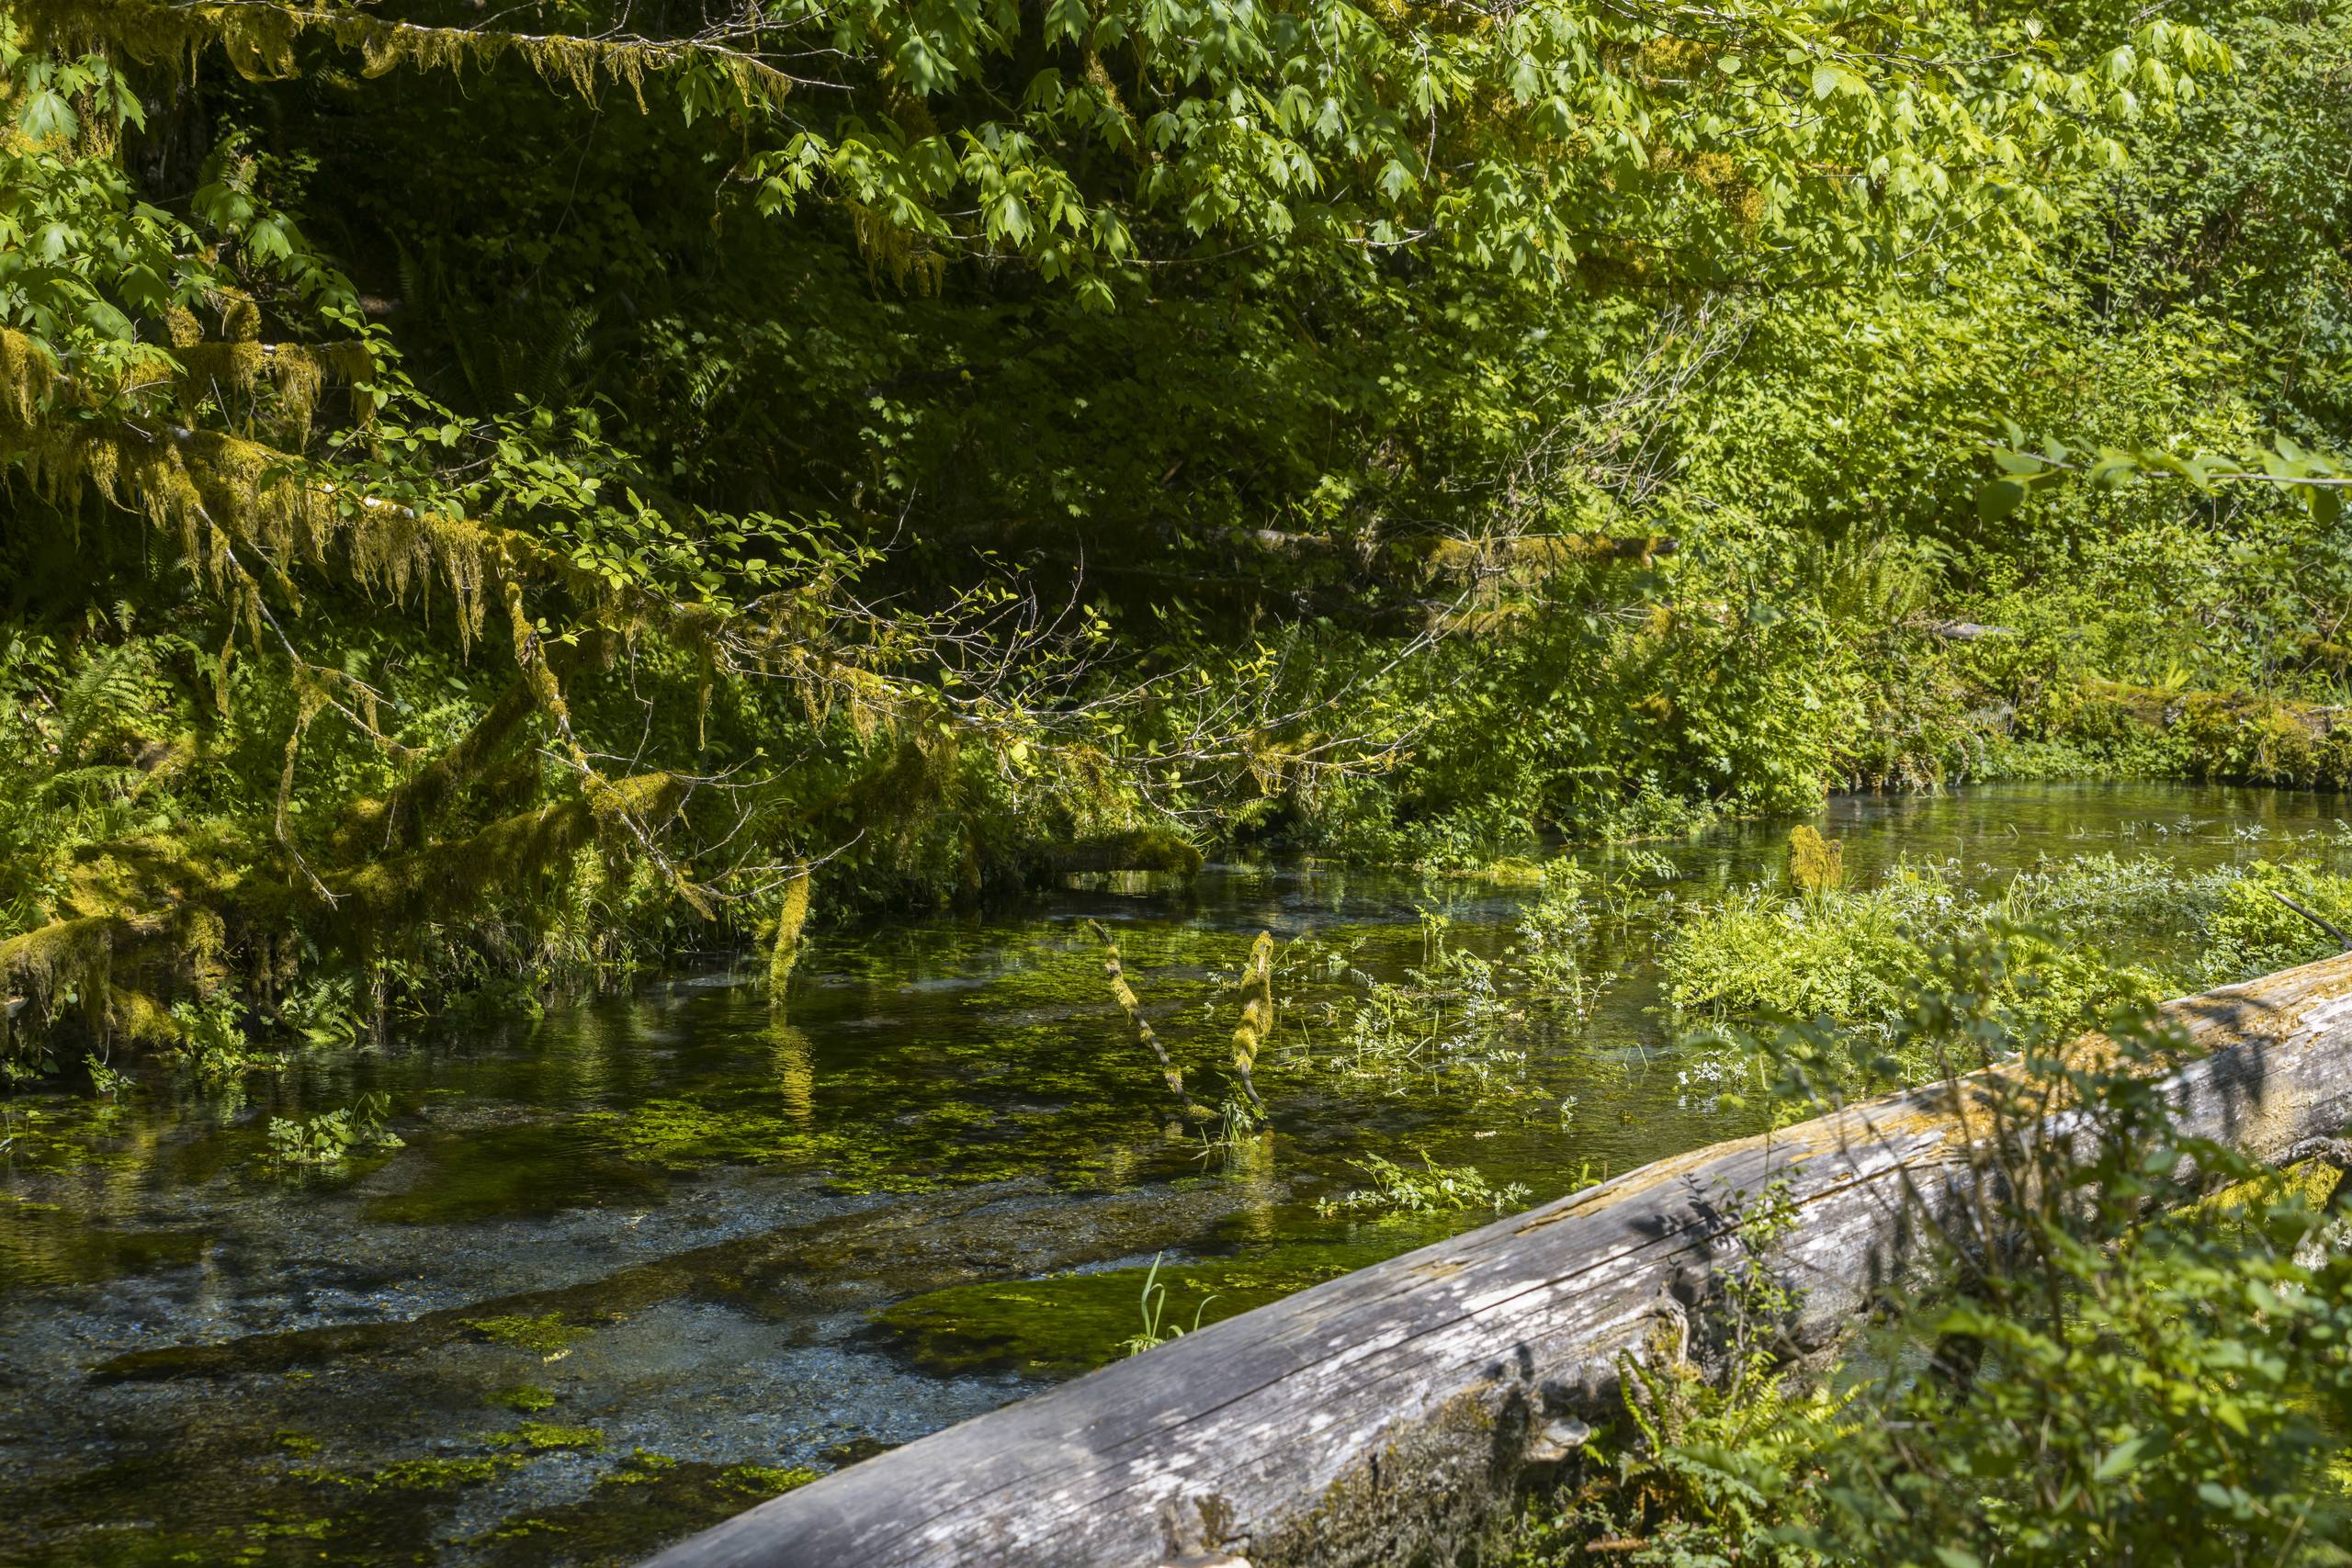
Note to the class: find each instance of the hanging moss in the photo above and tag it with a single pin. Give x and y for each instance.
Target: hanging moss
(258, 39)
(784, 950)
(515, 855)
(1815, 864)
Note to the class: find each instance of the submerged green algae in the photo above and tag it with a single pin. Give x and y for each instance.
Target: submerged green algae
(496, 1173)
(1062, 1324)
(541, 1436)
(926, 1150)
(528, 1398)
(548, 1335)
(643, 1504)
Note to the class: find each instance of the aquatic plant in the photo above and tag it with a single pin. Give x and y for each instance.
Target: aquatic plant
(326, 1139)
(1435, 1188)
(1556, 935)
(107, 1079)
(1155, 1332)
(213, 1034)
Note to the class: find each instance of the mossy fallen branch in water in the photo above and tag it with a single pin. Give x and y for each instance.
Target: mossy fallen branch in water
(1124, 995)
(1256, 1014)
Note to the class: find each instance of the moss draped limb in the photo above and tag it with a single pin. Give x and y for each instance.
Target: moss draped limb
(1130, 1004)
(1256, 1014)
(508, 855)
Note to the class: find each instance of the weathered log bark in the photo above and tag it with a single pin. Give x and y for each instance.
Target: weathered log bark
(1963, 631)
(1384, 1417)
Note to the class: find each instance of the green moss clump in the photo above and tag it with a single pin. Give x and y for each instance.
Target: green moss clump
(641, 1466)
(1815, 864)
(766, 1479)
(528, 1398)
(542, 1436)
(442, 1474)
(549, 1334)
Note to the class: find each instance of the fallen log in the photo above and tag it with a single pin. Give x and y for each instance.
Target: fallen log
(1385, 1416)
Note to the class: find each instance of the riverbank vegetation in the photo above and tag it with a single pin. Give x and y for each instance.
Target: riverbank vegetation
(2136, 1355)
(491, 505)
(2139, 1355)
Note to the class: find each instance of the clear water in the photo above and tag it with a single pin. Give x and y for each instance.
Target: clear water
(631, 1249)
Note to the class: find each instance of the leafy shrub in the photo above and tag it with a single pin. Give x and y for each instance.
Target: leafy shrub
(1434, 1190)
(212, 1034)
(2109, 1371)
(2098, 929)
(2250, 933)
(325, 1010)
(326, 1139)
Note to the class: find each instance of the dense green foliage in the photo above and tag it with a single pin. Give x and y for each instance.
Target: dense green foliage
(2092, 932)
(490, 502)
(2117, 1372)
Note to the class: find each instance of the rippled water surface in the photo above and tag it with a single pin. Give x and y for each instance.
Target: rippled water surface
(645, 1261)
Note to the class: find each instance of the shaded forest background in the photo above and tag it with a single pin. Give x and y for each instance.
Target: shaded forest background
(498, 495)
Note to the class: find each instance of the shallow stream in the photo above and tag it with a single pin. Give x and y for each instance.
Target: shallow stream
(644, 1261)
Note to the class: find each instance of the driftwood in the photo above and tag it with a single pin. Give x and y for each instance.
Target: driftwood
(1383, 1417)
